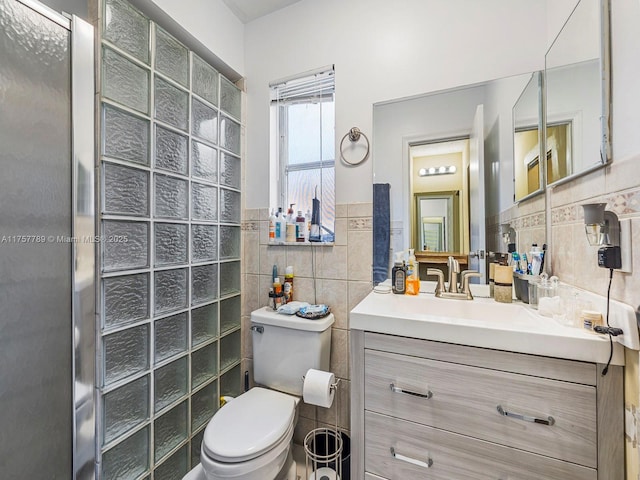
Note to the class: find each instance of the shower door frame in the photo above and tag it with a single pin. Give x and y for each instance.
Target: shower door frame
(83, 231)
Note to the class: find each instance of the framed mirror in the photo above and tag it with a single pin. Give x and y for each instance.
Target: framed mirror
(438, 221)
(528, 174)
(577, 94)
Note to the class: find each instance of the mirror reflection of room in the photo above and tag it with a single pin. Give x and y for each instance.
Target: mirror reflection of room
(440, 209)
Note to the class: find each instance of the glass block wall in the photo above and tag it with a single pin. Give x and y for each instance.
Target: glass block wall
(169, 339)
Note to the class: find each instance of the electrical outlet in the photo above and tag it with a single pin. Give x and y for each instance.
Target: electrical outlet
(625, 246)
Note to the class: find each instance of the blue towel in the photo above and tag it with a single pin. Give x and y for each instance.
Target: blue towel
(381, 232)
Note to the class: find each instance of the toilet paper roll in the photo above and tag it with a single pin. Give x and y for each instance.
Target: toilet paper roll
(324, 473)
(316, 389)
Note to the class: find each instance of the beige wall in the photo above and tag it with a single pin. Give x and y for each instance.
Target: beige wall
(574, 261)
(339, 276)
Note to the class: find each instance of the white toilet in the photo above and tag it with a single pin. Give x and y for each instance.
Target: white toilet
(250, 437)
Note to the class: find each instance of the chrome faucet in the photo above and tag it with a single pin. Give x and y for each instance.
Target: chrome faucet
(454, 289)
(454, 271)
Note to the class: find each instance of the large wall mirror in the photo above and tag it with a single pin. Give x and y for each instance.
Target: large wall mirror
(577, 91)
(444, 156)
(495, 168)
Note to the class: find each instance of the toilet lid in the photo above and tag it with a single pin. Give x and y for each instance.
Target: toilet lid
(249, 425)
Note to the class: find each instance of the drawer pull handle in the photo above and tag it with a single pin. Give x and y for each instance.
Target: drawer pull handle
(420, 463)
(544, 421)
(395, 389)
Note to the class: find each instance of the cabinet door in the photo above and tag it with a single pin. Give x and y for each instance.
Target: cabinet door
(549, 417)
(399, 450)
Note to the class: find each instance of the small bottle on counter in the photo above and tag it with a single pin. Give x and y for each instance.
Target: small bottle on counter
(398, 275)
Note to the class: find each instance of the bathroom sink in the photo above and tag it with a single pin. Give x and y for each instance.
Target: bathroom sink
(481, 322)
(477, 310)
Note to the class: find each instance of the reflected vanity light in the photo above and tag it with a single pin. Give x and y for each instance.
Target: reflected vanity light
(601, 226)
(444, 170)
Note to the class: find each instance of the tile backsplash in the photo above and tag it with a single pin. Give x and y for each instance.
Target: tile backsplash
(338, 275)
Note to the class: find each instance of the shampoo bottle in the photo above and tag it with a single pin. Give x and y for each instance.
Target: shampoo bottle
(272, 226)
(398, 275)
(413, 278)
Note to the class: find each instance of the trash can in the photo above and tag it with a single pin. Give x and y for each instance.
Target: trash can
(328, 455)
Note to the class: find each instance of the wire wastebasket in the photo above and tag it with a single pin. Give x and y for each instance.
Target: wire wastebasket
(323, 448)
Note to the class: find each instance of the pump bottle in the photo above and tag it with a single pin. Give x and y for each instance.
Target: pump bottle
(413, 276)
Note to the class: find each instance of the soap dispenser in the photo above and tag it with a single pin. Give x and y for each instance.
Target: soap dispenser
(413, 275)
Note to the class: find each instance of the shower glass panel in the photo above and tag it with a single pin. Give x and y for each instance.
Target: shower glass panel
(171, 281)
(36, 378)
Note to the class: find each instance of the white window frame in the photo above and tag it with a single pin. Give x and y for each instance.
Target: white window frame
(316, 86)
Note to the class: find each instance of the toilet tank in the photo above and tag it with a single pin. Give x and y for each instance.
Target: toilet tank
(286, 346)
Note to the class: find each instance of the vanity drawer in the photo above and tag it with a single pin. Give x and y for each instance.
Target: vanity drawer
(548, 417)
(445, 456)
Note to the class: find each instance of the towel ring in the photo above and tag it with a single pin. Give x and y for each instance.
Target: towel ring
(354, 135)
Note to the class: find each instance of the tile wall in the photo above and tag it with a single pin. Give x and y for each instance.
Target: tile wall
(338, 275)
(573, 260)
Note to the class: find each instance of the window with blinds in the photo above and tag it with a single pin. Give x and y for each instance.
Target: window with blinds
(304, 135)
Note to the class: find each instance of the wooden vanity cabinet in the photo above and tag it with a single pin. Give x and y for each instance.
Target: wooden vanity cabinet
(425, 409)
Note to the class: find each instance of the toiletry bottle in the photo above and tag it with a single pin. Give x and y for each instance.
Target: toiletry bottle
(278, 226)
(300, 227)
(307, 229)
(288, 284)
(272, 226)
(283, 226)
(413, 278)
(535, 257)
(398, 275)
(290, 217)
(277, 290)
(291, 232)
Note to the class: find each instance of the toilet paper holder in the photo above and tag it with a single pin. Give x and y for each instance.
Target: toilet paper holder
(333, 387)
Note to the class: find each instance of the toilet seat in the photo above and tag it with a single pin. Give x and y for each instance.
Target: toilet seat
(265, 466)
(250, 425)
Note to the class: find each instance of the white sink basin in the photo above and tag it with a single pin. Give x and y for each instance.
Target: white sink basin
(481, 322)
(478, 309)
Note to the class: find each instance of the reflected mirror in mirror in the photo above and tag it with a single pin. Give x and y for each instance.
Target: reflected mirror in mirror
(436, 181)
(527, 174)
(437, 221)
(577, 93)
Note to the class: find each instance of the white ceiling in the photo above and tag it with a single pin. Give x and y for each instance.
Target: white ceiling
(247, 10)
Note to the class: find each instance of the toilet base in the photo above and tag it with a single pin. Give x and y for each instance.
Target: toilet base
(288, 471)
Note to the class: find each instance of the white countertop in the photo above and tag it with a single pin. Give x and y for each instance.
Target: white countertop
(481, 322)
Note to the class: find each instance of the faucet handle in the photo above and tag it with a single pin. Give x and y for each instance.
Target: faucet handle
(465, 276)
(440, 284)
